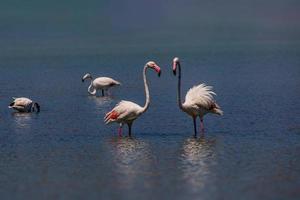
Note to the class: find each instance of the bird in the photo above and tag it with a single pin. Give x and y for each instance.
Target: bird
(23, 104)
(199, 99)
(125, 112)
(100, 83)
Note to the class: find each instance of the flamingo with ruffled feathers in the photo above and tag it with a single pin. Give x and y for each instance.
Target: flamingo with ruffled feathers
(126, 112)
(100, 83)
(24, 104)
(199, 99)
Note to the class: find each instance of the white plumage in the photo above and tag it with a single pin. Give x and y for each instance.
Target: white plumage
(127, 111)
(100, 83)
(24, 104)
(200, 95)
(199, 100)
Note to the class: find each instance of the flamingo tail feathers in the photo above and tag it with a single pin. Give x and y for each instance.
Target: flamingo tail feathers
(117, 83)
(216, 109)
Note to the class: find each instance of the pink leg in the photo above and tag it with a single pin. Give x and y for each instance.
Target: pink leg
(120, 130)
(201, 125)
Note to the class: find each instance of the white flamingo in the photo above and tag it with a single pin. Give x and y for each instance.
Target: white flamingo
(23, 104)
(100, 83)
(126, 112)
(199, 99)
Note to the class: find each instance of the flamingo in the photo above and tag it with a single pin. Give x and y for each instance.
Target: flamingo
(24, 104)
(199, 99)
(125, 112)
(100, 83)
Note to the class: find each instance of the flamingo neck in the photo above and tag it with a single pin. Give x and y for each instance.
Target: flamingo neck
(179, 88)
(147, 103)
(91, 88)
(35, 107)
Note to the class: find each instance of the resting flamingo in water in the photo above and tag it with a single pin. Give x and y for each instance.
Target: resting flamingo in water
(199, 99)
(126, 112)
(23, 104)
(100, 83)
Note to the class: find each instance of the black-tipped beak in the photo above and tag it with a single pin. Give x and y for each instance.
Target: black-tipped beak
(82, 80)
(157, 69)
(174, 72)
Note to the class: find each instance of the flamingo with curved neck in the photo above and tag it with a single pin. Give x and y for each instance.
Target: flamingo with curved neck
(126, 112)
(199, 99)
(100, 83)
(23, 104)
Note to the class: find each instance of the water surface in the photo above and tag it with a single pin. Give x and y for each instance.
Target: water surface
(67, 152)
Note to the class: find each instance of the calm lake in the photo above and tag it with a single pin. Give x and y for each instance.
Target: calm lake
(67, 152)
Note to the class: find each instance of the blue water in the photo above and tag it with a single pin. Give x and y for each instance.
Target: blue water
(67, 152)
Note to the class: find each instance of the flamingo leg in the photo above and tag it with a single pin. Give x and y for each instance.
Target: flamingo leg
(120, 130)
(201, 125)
(103, 93)
(129, 129)
(195, 128)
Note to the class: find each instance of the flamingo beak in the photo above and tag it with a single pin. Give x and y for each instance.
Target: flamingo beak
(158, 70)
(38, 107)
(174, 68)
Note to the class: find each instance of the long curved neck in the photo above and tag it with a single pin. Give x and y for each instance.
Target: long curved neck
(147, 103)
(91, 88)
(179, 87)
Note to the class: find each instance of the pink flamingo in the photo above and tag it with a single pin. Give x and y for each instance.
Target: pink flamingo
(100, 83)
(126, 112)
(198, 100)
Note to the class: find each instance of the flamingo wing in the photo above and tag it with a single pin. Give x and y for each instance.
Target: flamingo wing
(201, 95)
(123, 111)
(105, 81)
(22, 101)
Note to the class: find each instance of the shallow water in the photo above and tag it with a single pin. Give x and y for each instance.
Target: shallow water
(67, 152)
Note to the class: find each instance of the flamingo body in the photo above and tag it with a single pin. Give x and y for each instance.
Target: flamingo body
(100, 83)
(124, 112)
(103, 83)
(24, 104)
(199, 101)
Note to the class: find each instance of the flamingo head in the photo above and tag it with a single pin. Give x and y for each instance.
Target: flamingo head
(86, 77)
(36, 106)
(154, 66)
(175, 63)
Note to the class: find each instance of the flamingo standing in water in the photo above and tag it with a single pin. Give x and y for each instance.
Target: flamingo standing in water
(199, 99)
(23, 104)
(100, 83)
(126, 112)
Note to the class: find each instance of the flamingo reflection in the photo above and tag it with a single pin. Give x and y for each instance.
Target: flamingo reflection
(133, 160)
(23, 120)
(101, 101)
(197, 158)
